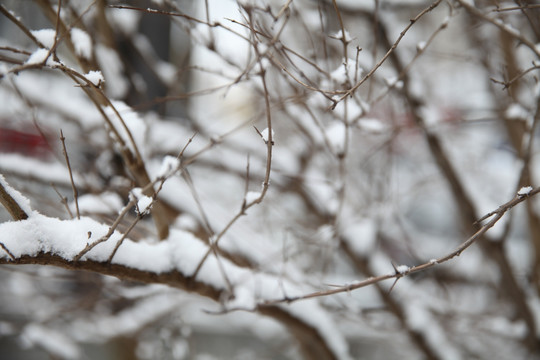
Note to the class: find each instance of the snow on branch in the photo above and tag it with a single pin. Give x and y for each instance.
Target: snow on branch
(404, 270)
(48, 241)
(15, 203)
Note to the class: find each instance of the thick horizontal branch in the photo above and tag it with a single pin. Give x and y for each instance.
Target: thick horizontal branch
(313, 345)
(172, 278)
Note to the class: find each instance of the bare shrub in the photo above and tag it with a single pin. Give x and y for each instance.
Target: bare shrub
(270, 179)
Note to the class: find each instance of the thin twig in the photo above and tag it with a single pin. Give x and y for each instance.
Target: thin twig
(63, 200)
(75, 192)
(388, 53)
(7, 251)
(126, 233)
(109, 233)
(343, 38)
(266, 182)
(406, 68)
(509, 83)
(497, 215)
(513, 8)
(502, 26)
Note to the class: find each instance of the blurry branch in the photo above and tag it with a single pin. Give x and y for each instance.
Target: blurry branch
(75, 193)
(20, 25)
(388, 53)
(280, 47)
(343, 38)
(520, 132)
(513, 8)
(11, 205)
(419, 52)
(495, 216)
(501, 25)
(491, 249)
(63, 31)
(526, 177)
(506, 84)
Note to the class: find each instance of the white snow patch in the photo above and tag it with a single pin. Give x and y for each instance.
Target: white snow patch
(335, 133)
(65, 238)
(130, 122)
(169, 165)
(402, 269)
(144, 203)
(38, 57)
(393, 81)
(95, 77)
(504, 327)
(166, 72)
(53, 341)
(516, 112)
(112, 66)
(421, 46)
(340, 35)
(186, 222)
(45, 36)
(126, 21)
(251, 196)
(182, 251)
(346, 71)
(105, 203)
(374, 126)
(361, 236)
(525, 190)
(265, 136)
(126, 322)
(82, 43)
(29, 167)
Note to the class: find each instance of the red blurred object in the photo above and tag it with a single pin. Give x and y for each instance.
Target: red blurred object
(28, 144)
